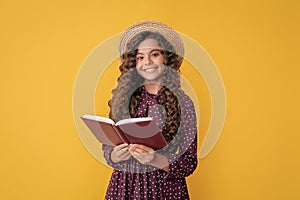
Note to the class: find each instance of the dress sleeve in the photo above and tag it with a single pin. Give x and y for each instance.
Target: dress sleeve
(107, 149)
(184, 162)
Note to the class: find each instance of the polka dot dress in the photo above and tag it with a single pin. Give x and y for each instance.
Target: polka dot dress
(132, 180)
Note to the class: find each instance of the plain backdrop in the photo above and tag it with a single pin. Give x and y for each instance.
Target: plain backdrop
(255, 45)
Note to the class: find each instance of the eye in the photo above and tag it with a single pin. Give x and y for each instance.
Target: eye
(139, 58)
(155, 54)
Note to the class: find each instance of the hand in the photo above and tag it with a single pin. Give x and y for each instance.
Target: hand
(120, 153)
(142, 153)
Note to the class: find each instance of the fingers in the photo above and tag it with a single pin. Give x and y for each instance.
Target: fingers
(121, 146)
(142, 153)
(124, 156)
(140, 148)
(121, 152)
(142, 158)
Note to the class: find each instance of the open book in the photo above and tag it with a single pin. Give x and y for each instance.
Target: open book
(131, 131)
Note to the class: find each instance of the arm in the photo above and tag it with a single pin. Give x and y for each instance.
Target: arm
(120, 153)
(177, 165)
(185, 162)
(146, 155)
(183, 165)
(114, 155)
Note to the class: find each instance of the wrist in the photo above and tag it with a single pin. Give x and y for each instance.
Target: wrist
(159, 161)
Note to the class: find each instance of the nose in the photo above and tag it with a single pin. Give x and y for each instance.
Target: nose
(147, 60)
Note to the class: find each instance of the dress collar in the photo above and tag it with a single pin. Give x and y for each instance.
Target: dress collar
(146, 94)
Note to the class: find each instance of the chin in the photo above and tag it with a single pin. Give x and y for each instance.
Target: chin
(152, 78)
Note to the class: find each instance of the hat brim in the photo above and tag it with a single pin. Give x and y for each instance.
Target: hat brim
(152, 26)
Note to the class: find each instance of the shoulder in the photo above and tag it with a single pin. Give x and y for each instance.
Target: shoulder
(188, 114)
(186, 102)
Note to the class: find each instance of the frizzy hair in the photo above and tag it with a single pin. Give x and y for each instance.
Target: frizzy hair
(127, 94)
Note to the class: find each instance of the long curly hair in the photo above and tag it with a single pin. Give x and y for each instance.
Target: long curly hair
(127, 95)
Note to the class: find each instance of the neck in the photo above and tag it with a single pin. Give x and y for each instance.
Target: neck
(152, 88)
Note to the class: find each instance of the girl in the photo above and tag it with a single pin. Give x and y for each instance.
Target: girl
(149, 85)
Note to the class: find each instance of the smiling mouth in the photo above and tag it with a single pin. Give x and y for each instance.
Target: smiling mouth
(150, 69)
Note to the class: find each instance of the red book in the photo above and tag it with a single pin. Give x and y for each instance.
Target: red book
(131, 131)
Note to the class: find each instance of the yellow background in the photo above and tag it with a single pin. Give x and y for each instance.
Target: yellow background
(255, 45)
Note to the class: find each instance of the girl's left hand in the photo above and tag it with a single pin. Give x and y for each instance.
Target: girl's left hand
(142, 153)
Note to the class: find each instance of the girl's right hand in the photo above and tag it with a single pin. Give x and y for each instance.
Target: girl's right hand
(120, 153)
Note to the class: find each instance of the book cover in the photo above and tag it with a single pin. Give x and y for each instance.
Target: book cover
(131, 131)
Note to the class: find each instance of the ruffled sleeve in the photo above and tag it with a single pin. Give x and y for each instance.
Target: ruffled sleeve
(107, 155)
(184, 162)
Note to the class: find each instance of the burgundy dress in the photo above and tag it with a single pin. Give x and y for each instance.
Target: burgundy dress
(133, 180)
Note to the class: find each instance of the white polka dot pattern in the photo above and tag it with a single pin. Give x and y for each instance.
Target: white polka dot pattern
(132, 180)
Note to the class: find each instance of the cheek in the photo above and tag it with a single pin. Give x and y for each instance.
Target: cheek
(138, 65)
(161, 60)
(163, 68)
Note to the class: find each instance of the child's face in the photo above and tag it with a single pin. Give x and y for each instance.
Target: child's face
(150, 61)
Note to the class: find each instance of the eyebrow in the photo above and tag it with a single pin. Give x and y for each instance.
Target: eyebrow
(150, 51)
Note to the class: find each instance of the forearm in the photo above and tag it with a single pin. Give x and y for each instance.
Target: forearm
(160, 161)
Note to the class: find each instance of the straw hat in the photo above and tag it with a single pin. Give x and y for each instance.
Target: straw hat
(153, 26)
